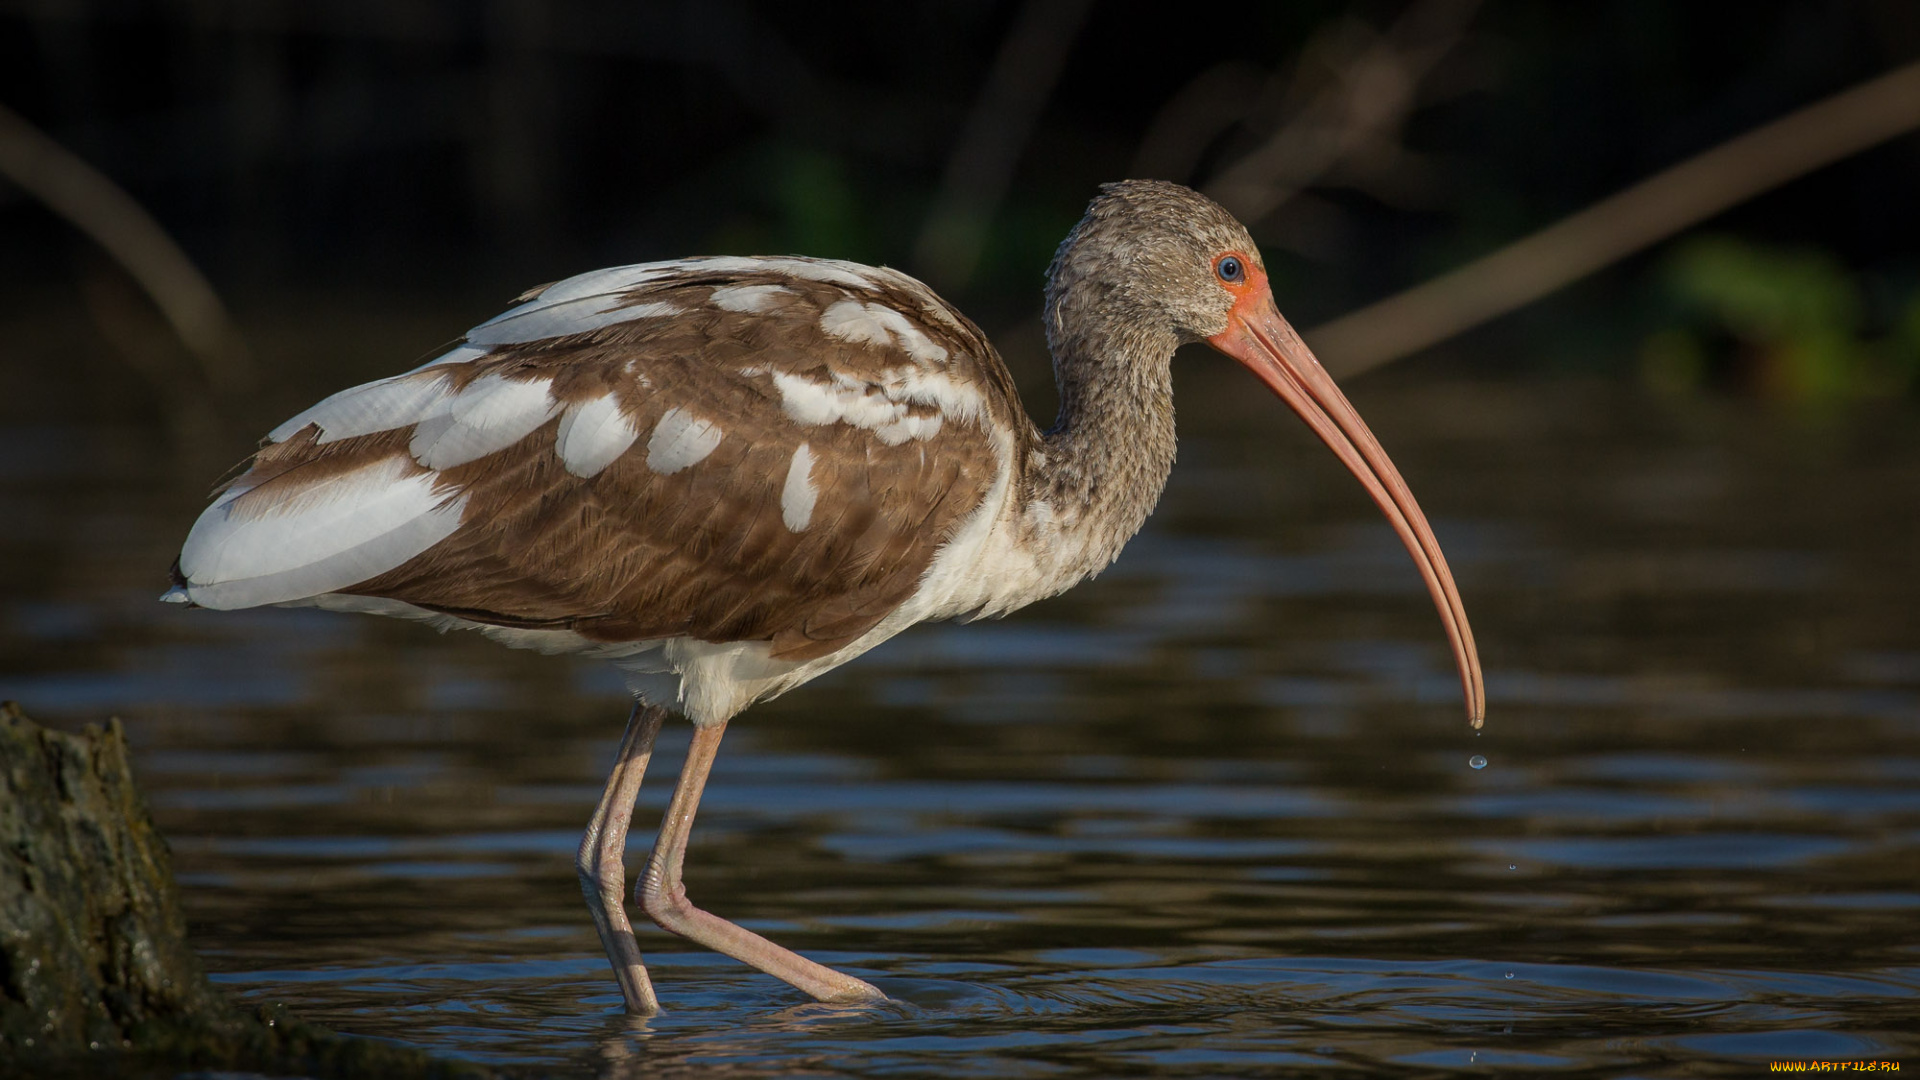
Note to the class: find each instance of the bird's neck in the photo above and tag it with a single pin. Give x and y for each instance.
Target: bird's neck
(1102, 466)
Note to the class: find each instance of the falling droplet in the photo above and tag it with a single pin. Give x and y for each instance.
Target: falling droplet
(1509, 974)
(1513, 866)
(1478, 761)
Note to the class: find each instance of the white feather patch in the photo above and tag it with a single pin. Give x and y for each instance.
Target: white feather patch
(930, 304)
(247, 549)
(610, 284)
(832, 271)
(748, 299)
(491, 414)
(459, 354)
(882, 408)
(849, 320)
(680, 440)
(956, 400)
(878, 324)
(797, 496)
(613, 279)
(541, 319)
(592, 434)
(920, 346)
(370, 407)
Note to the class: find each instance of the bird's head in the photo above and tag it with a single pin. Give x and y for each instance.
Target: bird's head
(1154, 256)
(1162, 263)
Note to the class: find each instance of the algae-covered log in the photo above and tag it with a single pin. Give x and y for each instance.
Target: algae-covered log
(92, 944)
(93, 952)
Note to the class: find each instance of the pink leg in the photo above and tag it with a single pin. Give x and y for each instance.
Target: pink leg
(601, 865)
(664, 896)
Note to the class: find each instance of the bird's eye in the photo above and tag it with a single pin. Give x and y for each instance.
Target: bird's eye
(1230, 269)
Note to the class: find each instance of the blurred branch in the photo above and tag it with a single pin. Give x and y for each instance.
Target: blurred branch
(1351, 93)
(1023, 76)
(1652, 210)
(1180, 132)
(98, 207)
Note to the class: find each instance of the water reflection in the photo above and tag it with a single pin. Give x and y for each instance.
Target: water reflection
(1207, 816)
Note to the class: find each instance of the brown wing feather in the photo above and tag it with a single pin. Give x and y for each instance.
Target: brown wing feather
(631, 553)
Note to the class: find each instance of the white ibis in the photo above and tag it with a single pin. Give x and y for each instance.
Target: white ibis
(727, 476)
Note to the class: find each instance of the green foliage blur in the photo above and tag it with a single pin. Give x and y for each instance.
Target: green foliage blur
(1790, 323)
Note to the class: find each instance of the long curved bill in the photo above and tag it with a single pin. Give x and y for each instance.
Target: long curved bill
(1258, 337)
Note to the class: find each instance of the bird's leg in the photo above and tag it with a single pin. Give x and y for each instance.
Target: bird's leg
(664, 896)
(600, 862)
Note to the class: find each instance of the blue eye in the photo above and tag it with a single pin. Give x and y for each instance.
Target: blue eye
(1230, 269)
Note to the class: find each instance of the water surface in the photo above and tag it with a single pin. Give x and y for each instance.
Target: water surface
(1212, 814)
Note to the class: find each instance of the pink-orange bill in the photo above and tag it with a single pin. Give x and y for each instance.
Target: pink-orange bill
(1258, 337)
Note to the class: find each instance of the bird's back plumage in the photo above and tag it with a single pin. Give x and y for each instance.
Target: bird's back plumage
(765, 450)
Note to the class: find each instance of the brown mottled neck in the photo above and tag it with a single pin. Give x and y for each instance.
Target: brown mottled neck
(1133, 280)
(1106, 458)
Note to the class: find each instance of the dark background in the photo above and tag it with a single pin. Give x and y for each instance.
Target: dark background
(370, 156)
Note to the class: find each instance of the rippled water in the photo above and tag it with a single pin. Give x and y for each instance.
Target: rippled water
(1210, 815)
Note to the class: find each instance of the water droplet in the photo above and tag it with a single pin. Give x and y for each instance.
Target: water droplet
(1509, 974)
(1478, 761)
(1513, 866)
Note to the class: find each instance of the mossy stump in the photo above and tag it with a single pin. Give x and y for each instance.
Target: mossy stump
(94, 961)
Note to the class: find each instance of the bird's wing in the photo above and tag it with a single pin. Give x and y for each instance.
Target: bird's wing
(727, 449)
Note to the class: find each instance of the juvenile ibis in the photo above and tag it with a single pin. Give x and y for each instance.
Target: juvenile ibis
(727, 476)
